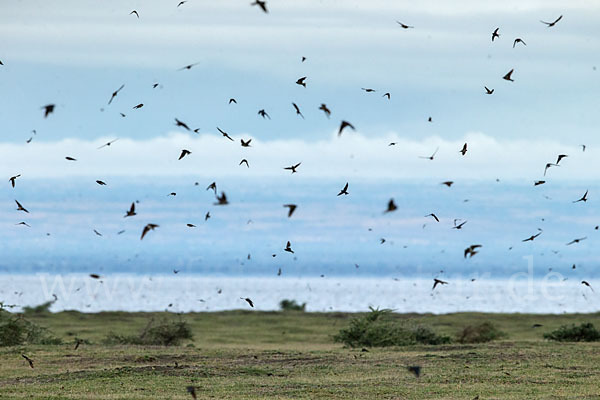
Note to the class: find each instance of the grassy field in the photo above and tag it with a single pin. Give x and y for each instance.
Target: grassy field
(246, 355)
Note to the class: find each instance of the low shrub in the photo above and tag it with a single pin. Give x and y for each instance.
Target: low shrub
(377, 329)
(586, 332)
(163, 334)
(16, 330)
(291, 305)
(485, 332)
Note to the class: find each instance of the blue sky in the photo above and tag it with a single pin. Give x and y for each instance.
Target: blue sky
(77, 53)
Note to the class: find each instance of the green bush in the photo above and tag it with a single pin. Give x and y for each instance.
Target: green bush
(585, 332)
(291, 305)
(164, 334)
(16, 330)
(377, 329)
(485, 332)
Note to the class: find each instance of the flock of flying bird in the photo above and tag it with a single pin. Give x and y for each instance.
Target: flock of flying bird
(221, 199)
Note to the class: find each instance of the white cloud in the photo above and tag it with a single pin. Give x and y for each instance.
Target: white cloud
(351, 156)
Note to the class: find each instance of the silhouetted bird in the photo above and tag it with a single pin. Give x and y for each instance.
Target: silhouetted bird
(293, 168)
(343, 125)
(12, 179)
(137, 107)
(244, 161)
(447, 183)
(488, 91)
(70, 158)
(148, 228)
(232, 100)
(48, 109)
(182, 124)
(246, 144)
(431, 157)
(576, 240)
(560, 157)
(344, 190)
(212, 186)
(471, 250)
(518, 40)
(463, 151)
(438, 282)
(107, 144)
(291, 209)
(495, 34)
(548, 165)
(582, 282)
(261, 4)
(532, 237)
(551, 24)
(221, 200)
(263, 114)
(388, 95)
(288, 247)
(459, 226)
(248, 301)
(116, 92)
(136, 13)
(297, 110)
(301, 81)
(101, 183)
(325, 110)
(583, 198)
(189, 66)
(131, 211)
(391, 206)
(20, 207)
(184, 153)
(508, 76)
(537, 183)
(434, 216)
(404, 26)
(225, 134)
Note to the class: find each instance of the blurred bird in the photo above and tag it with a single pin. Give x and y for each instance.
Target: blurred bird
(438, 282)
(297, 110)
(137, 107)
(447, 183)
(431, 157)
(48, 109)
(582, 282)
(148, 228)
(471, 250)
(326, 110)
(263, 114)
(261, 4)
(548, 165)
(107, 144)
(388, 95)
(246, 144)
(116, 92)
(232, 100)
(537, 183)
(343, 125)
(404, 26)
(221, 200)
(291, 209)
(459, 226)
(12, 179)
(70, 158)
(551, 24)
(293, 168)
(532, 237)
(508, 76)
(101, 183)
(225, 134)
(189, 66)
(20, 207)
(391, 206)
(576, 241)
(368, 90)
(463, 151)
(212, 186)
(288, 247)
(488, 91)
(434, 216)
(207, 216)
(244, 161)
(131, 211)
(136, 13)
(29, 360)
(182, 124)
(518, 40)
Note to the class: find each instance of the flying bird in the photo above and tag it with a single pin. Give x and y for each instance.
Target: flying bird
(291, 209)
(288, 247)
(263, 114)
(327, 111)
(24, 223)
(248, 301)
(182, 124)
(551, 24)
(459, 226)
(131, 211)
(434, 216)
(148, 228)
(12, 179)
(221, 200)
(463, 151)
(137, 107)
(184, 153)
(471, 250)
(136, 13)
(244, 161)
(261, 4)
(212, 186)
(537, 183)
(225, 134)
(116, 92)
(560, 157)
(29, 360)
(48, 109)
(70, 158)
(508, 76)
(97, 233)
(447, 183)
(301, 81)
(107, 144)
(369, 90)
(207, 216)
(431, 157)
(297, 110)
(95, 276)
(190, 225)
(583, 198)
(388, 95)
(518, 40)
(548, 166)
(344, 190)
(293, 168)
(20, 207)
(343, 125)
(189, 66)
(101, 183)
(391, 206)
(488, 91)
(438, 282)
(404, 26)
(576, 241)
(582, 282)
(495, 34)
(246, 144)
(532, 237)
(181, 3)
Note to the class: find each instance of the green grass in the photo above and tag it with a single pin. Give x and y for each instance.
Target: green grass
(246, 355)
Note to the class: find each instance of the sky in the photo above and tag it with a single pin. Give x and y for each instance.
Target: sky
(75, 54)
